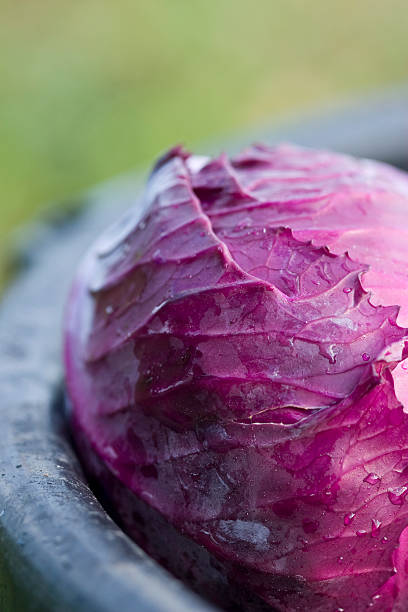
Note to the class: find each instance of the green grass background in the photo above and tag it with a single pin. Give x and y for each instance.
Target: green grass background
(91, 88)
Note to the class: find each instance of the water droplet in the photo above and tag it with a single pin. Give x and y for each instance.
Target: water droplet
(329, 351)
(340, 559)
(396, 496)
(109, 310)
(372, 478)
(243, 225)
(361, 532)
(264, 230)
(365, 357)
(157, 258)
(348, 518)
(384, 540)
(332, 354)
(377, 596)
(340, 610)
(347, 290)
(328, 538)
(375, 527)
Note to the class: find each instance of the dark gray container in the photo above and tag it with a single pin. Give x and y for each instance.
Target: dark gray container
(59, 550)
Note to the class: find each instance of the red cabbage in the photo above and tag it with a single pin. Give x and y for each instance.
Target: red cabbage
(235, 358)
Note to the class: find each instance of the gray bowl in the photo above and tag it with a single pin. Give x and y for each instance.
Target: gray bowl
(60, 550)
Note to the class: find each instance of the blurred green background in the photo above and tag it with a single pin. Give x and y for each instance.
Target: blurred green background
(92, 88)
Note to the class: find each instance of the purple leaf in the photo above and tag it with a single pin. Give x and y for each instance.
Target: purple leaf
(233, 357)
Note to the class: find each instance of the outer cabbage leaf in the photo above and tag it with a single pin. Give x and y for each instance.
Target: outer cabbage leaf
(233, 357)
